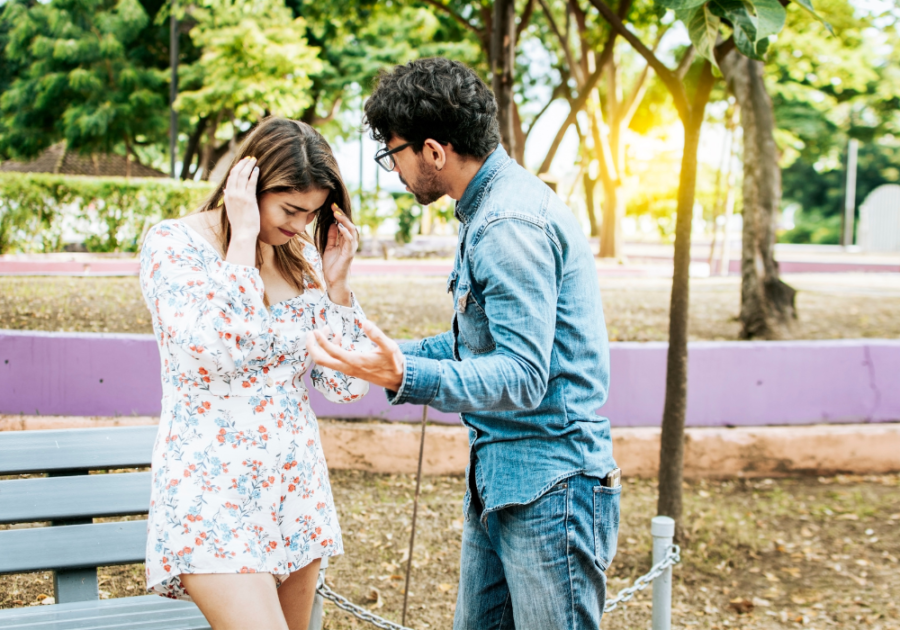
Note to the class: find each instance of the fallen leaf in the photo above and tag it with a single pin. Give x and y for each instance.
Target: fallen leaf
(850, 516)
(47, 601)
(772, 577)
(374, 598)
(792, 571)
(445, 587)
(741, 605)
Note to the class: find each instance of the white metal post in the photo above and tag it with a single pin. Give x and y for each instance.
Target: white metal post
(315, 619)
(662, 529)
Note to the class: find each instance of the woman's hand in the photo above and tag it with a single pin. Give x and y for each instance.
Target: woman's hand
(343, 239)
(242, 209)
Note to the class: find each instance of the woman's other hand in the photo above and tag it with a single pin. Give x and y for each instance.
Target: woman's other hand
(243, 212)
(343, 239)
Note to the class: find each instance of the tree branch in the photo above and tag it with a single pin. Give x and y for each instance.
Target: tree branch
(685, 64)
(525, 19)
(553, 96)
(585, 91)
(721, 50)
(573, 68)
(456, 16)
(669, 78)
(640, 85)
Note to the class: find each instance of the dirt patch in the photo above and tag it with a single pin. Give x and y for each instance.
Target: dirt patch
(762, 554)
(830, 306)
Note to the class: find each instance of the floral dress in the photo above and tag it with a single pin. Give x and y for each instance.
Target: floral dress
(240, 483)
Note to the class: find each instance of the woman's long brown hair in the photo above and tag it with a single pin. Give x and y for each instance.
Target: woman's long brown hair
(291, 156)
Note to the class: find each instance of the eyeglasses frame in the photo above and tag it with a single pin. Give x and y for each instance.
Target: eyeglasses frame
(385, 152)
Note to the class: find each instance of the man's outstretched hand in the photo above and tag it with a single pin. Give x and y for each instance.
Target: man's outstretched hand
(383, 366)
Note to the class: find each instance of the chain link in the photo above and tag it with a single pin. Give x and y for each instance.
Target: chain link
(673, 557)
(358, 611)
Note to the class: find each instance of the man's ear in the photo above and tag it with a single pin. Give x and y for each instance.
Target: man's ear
(434, 154)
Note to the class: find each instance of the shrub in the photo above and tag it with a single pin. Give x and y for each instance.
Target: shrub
(38, 212)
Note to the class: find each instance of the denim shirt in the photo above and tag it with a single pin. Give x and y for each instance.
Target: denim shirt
(526, 363)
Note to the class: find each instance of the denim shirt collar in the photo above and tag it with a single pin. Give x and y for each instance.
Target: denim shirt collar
(471, 199)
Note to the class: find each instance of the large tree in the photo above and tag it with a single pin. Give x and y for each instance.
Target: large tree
(81, 79)
(751, 23)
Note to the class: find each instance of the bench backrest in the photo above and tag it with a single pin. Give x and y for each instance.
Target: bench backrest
(77, 490)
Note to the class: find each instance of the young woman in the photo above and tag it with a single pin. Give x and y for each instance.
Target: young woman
(241, 503)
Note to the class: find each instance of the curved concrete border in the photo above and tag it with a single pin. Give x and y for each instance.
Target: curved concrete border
(730, 383)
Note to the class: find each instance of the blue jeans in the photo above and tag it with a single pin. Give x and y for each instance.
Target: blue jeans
(539, 566)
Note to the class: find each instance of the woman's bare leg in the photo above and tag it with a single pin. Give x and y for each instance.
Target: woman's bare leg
(297, 594)
(236, 601)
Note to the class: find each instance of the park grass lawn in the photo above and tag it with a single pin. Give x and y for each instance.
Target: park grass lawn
(758, 554)
(830, 306)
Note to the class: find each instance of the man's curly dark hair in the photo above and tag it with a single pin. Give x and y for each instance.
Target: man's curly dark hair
(434, 98)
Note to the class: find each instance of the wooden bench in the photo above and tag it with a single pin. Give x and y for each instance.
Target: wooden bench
(74, 545)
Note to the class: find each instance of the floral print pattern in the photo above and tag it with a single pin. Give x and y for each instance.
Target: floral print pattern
(240, 483)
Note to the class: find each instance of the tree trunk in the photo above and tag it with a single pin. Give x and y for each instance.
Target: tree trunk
(191, 148)
(671, 456)
(590, 186)
(503, 59)
(612, 238)
(767, 303)
(210, 149)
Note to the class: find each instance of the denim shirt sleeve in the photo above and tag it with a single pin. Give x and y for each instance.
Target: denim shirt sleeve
(438, 347)
(519, 268)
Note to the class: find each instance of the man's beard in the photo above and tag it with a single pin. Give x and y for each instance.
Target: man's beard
(428, 189)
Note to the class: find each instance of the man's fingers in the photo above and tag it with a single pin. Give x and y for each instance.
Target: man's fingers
(375, 335)
(331, 349)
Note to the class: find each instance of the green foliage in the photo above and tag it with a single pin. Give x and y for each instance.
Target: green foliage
(408, 212)
(827, 89)
(255, 61)
(108, 214)
(79, 78)
(752, 23)
(819, 195)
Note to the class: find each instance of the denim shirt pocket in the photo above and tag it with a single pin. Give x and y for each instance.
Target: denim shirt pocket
(606, 524)
(472, 321)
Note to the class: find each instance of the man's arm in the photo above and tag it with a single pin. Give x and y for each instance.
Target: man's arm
(438, 347)
(519, 269)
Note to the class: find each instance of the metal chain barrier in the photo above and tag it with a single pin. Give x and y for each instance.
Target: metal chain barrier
(673, 557)
(358, 611)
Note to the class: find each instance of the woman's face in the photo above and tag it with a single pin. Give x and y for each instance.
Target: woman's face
(284, 215)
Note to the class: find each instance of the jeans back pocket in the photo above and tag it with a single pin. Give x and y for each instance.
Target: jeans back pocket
(606, 524)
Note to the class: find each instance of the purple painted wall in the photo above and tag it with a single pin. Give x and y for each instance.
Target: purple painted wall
(730, 383)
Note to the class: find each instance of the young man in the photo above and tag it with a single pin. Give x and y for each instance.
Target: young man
(526, 362)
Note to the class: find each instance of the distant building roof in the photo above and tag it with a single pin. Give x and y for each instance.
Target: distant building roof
(58, 160)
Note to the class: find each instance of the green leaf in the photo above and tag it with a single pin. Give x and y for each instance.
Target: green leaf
(807, 5)
(681, 5)
(703, 28)
(770, 16)
(743, 23)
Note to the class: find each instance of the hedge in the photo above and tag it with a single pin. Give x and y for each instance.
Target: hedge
(40, 212)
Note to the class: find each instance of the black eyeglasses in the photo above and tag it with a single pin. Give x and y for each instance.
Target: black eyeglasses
(385, 157)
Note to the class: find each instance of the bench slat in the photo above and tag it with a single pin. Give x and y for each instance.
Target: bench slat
(72, 546)
(146, 613)
(84, 496)
(29, 452)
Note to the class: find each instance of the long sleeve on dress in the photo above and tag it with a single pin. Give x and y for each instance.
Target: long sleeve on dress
(212, 309)
(346, 321)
